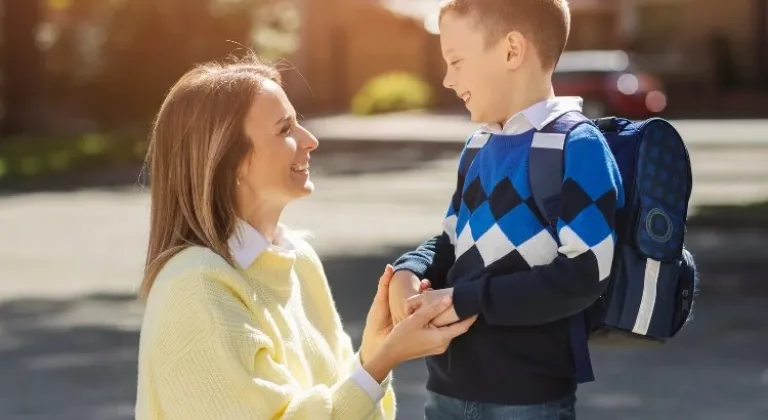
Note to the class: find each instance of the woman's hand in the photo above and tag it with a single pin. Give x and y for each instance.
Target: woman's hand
(378, 324)
(428, 296)
(416, 336)
(385, 346)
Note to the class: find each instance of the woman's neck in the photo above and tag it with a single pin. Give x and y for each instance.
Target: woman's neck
(264, 219)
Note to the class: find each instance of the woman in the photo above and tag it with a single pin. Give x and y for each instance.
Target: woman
(239, 320)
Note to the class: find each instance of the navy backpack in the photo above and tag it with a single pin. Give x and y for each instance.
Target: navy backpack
(653, 280)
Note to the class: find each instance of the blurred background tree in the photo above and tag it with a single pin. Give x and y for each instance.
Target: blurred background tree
(82, 79)
(22, 65)
(150, 43)
(109, 62)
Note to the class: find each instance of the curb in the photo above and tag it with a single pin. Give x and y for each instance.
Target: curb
(728, 246)
(729, 224)
(122, 176)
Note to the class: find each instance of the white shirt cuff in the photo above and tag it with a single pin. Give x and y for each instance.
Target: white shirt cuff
(365, 380)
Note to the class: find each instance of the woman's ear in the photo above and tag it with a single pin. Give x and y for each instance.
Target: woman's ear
(241, 174)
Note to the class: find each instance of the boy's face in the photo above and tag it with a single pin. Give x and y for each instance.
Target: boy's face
(477, 72)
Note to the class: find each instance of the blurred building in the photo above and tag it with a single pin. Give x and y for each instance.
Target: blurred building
(696, 43)
(345, 43)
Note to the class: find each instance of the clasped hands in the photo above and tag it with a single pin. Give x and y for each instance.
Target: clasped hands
(408, 294)
(419, 328)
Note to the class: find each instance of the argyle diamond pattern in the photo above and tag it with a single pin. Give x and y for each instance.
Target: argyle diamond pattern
(496, 221)
(493, 221)
(586, 223)
(502, 224)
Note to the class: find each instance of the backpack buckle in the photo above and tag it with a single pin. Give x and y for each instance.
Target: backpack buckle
(605, 123)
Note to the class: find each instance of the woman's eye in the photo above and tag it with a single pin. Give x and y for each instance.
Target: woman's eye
(287, 130)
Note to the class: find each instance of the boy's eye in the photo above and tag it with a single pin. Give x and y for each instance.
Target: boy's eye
(454, 62)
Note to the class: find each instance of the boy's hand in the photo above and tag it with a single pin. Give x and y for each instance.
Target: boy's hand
(424, 286)
(404, 285)
(426, 298)
(446, 318)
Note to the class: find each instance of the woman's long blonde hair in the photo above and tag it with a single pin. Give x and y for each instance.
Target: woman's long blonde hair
(197, 144)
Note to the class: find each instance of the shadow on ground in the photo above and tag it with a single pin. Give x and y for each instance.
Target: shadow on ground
(76, 359)
(71, 359)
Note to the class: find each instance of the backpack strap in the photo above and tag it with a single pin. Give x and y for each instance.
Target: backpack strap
(545, 172)
(546, 163)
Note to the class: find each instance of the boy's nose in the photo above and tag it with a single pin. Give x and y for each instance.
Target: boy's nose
(449, 81)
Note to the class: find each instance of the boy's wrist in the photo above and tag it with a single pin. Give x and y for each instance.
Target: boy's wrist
(466, 299)
(406, 280)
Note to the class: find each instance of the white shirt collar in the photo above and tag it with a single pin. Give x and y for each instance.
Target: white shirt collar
(247, 243)
(537, 115)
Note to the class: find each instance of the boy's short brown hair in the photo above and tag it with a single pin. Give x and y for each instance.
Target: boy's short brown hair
(546, 23)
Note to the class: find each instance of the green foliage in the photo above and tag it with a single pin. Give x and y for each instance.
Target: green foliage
(394, 91)
(24, 157)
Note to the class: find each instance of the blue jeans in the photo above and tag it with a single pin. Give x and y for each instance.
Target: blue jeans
(440, 407)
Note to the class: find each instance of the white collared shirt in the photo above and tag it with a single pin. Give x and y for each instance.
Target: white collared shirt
(537, 115)
(248, 243)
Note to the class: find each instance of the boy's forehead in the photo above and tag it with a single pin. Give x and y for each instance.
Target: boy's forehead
(457, 33)
(454, 27)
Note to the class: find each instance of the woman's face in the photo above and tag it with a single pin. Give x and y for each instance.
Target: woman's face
(277, 170)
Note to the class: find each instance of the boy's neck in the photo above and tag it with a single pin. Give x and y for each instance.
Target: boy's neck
(531, 93)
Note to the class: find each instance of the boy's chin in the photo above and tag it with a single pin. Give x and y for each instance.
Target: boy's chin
(477, 117)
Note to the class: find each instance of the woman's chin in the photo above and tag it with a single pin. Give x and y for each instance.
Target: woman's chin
(302, 181)
(309, 187)
(303, 189)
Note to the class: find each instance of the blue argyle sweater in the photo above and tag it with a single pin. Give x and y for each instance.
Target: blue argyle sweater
(523, 276)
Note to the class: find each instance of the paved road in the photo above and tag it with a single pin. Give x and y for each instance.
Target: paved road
(68, 320)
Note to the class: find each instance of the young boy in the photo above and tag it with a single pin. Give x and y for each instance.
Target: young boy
(498, 256)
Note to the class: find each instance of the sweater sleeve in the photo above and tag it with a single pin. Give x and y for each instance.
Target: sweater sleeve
(215, 362)
(311, 267)
(592, 193)
(430, 260)
(435, 256)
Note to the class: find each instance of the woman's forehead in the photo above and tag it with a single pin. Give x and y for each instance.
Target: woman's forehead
(271, 105)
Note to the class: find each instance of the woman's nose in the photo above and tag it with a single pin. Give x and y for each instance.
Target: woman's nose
(308, 140)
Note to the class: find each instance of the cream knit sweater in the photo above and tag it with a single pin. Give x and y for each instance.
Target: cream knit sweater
(222, 343)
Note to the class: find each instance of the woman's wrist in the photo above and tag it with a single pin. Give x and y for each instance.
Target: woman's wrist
(378, 365)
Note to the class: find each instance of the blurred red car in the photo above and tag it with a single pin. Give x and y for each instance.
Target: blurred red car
(610, 83)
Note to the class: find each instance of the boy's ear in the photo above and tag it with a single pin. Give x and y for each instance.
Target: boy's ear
(515, 48)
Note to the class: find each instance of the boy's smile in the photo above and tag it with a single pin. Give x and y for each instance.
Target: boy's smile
(476, 71)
